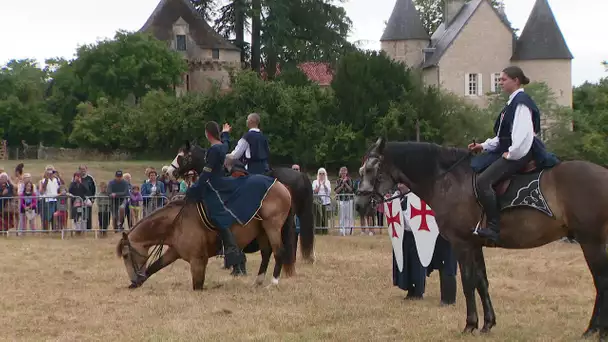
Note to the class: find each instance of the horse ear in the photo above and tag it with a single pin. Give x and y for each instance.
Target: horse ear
(195, 142)
(187, 145)
(380, 143)
(124, 236)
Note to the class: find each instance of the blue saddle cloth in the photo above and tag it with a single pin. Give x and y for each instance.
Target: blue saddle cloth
(231, 200)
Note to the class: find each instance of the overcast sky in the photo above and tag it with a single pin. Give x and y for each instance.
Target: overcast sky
(42, 29)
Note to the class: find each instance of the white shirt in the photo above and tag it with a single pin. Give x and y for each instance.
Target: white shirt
(522, 134)
(242, 147)
(324, 191)
(52, 190)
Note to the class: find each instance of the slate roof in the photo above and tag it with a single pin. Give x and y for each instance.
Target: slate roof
(443, 37)
(160, 24)
(404, 23)
(541, 37)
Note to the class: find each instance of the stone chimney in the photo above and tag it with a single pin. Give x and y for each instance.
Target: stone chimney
(451, 9)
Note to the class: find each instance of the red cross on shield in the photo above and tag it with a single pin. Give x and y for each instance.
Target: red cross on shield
(421, 219)
(394, 220)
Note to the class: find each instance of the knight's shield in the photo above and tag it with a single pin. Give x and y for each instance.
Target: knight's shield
(421, 219)
(394, 220)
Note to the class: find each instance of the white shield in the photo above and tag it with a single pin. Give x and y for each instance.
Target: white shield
(394, 220)
(421, 219)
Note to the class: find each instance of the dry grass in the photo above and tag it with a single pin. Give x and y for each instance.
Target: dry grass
(75, 290)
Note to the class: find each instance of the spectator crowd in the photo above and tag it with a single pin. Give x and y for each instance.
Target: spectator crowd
(77, 201)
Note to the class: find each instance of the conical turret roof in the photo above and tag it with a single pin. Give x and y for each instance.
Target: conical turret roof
(541, 38)
(404, 23)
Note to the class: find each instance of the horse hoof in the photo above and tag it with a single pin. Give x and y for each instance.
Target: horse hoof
(590, 332)
(259, 280)
(133, 286)
(469, 329)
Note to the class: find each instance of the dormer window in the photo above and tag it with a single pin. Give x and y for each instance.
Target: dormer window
(180, 42)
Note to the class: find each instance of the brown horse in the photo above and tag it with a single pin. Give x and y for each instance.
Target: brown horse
(186, 230)
(537, 207)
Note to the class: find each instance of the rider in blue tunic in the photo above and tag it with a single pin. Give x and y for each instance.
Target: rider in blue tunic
(211, 184)
(253, 146)
(513, 147)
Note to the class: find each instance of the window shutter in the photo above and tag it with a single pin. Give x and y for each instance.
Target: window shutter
(466, 84)
(479, 85)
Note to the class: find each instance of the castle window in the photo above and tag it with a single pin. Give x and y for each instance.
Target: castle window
(215, 53)
(472, 85)
(495, 82)
(180, 42)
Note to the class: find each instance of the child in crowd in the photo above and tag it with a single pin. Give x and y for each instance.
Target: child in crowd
(135, 202)
(28, 207)
(60, 216)
(103, 207)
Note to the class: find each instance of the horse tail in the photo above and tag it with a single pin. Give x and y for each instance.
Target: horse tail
(305, 214)
(288, 238)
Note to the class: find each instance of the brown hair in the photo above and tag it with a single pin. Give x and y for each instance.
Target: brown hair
(213, 129)
(515, 72)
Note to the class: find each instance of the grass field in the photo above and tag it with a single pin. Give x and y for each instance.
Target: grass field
(75, 290)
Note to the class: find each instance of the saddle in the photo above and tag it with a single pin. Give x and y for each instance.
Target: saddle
(521, 190)
(501, 187)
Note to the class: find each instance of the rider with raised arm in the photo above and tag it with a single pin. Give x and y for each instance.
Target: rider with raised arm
(211, 183)
(253, 146)
(513, 147)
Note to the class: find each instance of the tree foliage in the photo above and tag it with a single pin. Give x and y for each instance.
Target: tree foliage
(432, 12)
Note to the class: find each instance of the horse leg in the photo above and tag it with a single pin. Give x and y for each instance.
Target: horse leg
(466, 263)
(489, 316)
(595, 255)
(273, 231)
(198, 268)
(276, 273)
(266, 251)
(165, 260)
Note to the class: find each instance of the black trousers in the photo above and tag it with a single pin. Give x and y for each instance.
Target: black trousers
(498, 171)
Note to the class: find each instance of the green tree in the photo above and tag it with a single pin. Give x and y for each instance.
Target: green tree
(23, 112)
(131, 64)
(283, 32)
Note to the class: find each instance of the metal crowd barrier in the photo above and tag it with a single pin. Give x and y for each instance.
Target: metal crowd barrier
(337, 212)
(73, 215)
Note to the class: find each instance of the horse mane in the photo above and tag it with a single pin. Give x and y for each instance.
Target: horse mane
(423, 160)
(153, 216)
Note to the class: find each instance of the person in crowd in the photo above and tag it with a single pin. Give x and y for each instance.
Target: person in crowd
(89, 182)
(119, 194)
(344, 196)
(49, 190)
(27, 207)
(6, 196)
(321, 187)
(153, 192)
(103, 208)
(78, 191)
(135, 204)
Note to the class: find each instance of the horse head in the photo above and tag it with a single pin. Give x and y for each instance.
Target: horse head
(190, 157)
(377, 177)
(134, 257)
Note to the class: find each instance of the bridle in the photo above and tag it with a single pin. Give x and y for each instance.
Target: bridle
(156, 252)
(376, 196)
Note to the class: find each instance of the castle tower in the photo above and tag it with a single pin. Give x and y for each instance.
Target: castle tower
(405, 37)
(542, 53)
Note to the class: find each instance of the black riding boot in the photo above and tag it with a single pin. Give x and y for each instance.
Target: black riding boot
(232, 253)
(447, 285)
(490, 207)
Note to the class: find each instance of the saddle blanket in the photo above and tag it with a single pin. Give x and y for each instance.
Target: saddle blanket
(230, 200)
(523, 191)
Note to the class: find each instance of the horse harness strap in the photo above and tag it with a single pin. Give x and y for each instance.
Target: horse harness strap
(157, 253)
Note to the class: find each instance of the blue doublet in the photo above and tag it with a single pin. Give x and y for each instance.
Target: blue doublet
(228, 200)
(503, 126)
(257, 163)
